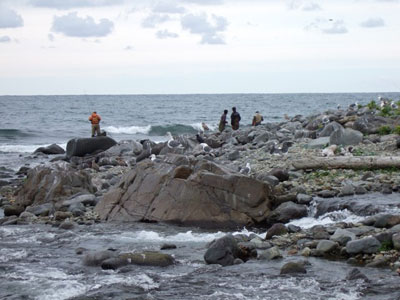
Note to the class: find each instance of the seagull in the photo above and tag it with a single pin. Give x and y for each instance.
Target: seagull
(329, 151)
(325, 119)
(153, 157)
(393, 105)
(206, 148)
(246, 170)
(338, 106)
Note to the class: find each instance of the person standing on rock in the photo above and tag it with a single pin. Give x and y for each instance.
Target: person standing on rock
(235, 119)
(95, 120)
(257, 119)
(223, 121)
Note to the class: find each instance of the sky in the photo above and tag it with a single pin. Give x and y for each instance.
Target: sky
(58, 47)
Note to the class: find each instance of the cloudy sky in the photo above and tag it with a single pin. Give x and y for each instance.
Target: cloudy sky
(198, 46)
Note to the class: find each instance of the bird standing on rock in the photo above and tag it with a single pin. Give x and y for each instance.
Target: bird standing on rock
(246, 170)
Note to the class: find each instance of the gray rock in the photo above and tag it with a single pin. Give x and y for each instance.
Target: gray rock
(260, 244)
(83, 146)
(360, 190)
(304, 199)
(370, 124)
(396, 241)
(287, 211)
(329, 128)
(234, 155)
(293, 268)
(342, 236)
(272, 180)
(326, 246)
(96, 258)
(347, 190)
(85, 199)
(12, 210)
(114, 263)
(27, 216)
(356, 274)
(366, 245)
(41, 210)
(346, 137)
(319, 143)
(276, 229)
(222, 251)
(281, 174)
(386, 221)
(67, 224)
(270, 254)
(262, 138)
(50, 150)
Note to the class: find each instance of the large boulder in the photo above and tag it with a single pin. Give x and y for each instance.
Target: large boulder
(287, 211)
(208, 195)
(366, 245)
(330, 128)
(222, 251)
(53, 183)
(370, 124)
(52, 149)
(82, 146)
(346, 137)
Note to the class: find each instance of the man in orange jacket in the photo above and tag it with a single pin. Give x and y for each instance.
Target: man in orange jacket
(95, 120)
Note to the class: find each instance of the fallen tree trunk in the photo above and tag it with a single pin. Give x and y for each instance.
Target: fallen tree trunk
(348, 162)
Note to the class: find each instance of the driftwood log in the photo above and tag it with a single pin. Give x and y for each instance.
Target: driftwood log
(348, 162)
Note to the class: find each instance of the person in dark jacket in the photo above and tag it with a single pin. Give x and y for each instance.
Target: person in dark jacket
(223, 121)
(235, 119)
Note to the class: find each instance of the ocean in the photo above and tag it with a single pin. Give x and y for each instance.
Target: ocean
(29, 122)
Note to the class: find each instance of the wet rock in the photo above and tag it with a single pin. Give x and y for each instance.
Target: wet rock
(319, 232)
(270, 254)
(387, 221)
(62, 215)
(276, 229)
(305, 252)
(222, 251)
(326, 246)
(293, 268)
(27, 217)
(356, 274)
(149, 258)
(85, 199)
(67, 225)
(167, 246)
(234, 155)
(96, 258)
(327, 194)
(114, 263)
(260, 244)
(293, 228)
(50, 150)
(347, 190)
(41, 210)
(12, 210)
(304, 199)
(360, 190)
(396, 241)
(366, 245)
(379, 262)
(342, 236)
(287, 211)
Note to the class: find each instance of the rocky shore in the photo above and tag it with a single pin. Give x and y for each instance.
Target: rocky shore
(256, 176)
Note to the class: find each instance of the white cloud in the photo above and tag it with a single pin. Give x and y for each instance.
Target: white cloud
(9, 18)
(164, 34)
(327, 26)
(311, 7)
(208, 29)
(373, 22)
(74, 26)
(169, 8)
(205, 2)
(154, 19)
(68, 4)
(5, 39)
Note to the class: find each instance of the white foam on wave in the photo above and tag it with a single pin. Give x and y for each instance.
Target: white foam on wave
(54, 284)
(199, 126)
(12, 254)
(25, 148)
(152, 236)
(327, 219)
(128, 129)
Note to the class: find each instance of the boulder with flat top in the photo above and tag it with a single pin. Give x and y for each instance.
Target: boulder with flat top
(83, 146)
(206, 195)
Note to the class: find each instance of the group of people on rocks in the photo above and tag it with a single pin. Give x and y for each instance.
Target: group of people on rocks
(235, 119)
